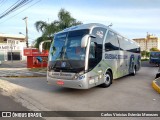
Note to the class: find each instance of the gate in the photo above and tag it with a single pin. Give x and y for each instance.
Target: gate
(15, 56)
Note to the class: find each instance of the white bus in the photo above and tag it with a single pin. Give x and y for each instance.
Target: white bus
(88, 55)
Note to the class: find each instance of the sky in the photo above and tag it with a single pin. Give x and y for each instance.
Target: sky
(131, 18)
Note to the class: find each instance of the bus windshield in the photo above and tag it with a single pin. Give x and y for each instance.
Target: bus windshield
(66, 48)
(154, 58)
(155, 55)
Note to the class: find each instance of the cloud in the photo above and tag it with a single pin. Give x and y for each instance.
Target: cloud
(129, 17)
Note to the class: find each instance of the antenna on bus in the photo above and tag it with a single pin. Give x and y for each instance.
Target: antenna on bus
(110, 25)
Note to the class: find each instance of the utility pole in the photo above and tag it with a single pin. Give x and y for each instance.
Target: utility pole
(25, 19)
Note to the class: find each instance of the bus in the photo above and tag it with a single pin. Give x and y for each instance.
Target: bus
(89, 55)
(154, 57)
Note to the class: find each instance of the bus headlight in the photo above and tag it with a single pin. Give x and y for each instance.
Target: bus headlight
(100, 76)
(75, 77)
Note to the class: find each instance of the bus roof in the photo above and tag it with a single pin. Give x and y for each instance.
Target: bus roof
(83, 26)
(87, 26)
(90, 26)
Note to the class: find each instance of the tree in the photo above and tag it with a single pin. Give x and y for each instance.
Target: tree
(46, 28)
(39, 40)
(65, 20)
(145, 54)
(154, 49)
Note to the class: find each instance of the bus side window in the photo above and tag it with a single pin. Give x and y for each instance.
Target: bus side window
(111, 42)
(121, 42)
(92, 50)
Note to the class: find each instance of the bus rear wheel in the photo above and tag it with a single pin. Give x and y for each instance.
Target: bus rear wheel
(107, 80)
(134, 71)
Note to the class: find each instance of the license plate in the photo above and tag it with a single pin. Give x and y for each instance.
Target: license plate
(59, 82)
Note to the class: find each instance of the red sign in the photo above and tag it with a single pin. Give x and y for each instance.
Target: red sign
(35, 59)
(59, 82)
(35, 52)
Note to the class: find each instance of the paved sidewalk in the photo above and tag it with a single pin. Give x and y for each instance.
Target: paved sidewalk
(19, 69)
(13, 64)
(7, 103)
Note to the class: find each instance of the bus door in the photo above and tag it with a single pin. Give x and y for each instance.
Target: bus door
(122, 57)
(122, 63)
(112, 52)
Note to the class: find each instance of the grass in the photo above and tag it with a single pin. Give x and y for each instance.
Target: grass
(38, 69)
(145, 59)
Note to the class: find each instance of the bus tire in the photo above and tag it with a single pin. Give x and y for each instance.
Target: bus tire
(108, 80)
(134, 71)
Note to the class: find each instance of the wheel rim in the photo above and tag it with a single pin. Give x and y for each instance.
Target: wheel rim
(107, 79)
(134, 71)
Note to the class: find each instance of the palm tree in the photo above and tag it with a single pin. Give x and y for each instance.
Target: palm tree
(65, 20)
(46, 28)
(39, 40)
(47, 33)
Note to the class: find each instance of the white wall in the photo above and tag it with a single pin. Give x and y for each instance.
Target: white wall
(8, 47)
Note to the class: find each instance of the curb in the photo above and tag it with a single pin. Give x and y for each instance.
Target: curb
(155, 85)
(17, 92)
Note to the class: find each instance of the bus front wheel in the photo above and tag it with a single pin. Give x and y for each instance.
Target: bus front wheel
(107, 80)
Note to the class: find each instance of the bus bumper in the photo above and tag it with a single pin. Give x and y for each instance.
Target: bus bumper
(77, 84)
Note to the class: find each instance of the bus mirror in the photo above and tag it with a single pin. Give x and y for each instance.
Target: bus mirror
(41, 45)
(84, 41)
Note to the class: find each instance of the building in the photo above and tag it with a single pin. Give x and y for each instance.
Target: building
(11, 47)
(149, 42)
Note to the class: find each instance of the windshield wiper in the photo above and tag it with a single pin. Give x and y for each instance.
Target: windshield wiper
(60, 55)
(68, 60)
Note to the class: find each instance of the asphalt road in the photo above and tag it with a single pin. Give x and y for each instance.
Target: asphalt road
(130, 93)
(147, 64)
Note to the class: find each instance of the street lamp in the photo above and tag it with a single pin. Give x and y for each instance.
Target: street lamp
(21, 33)
(24, 35)
(28, 37)
(25, 19)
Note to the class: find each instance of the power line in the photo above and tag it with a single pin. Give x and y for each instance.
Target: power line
(10, 7)
(17, 5)
(20, 12)
(22, 5)
(2, 2)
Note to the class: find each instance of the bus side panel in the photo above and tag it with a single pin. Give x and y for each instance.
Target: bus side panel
(134, 60)
(96, 75)
(111, 61)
